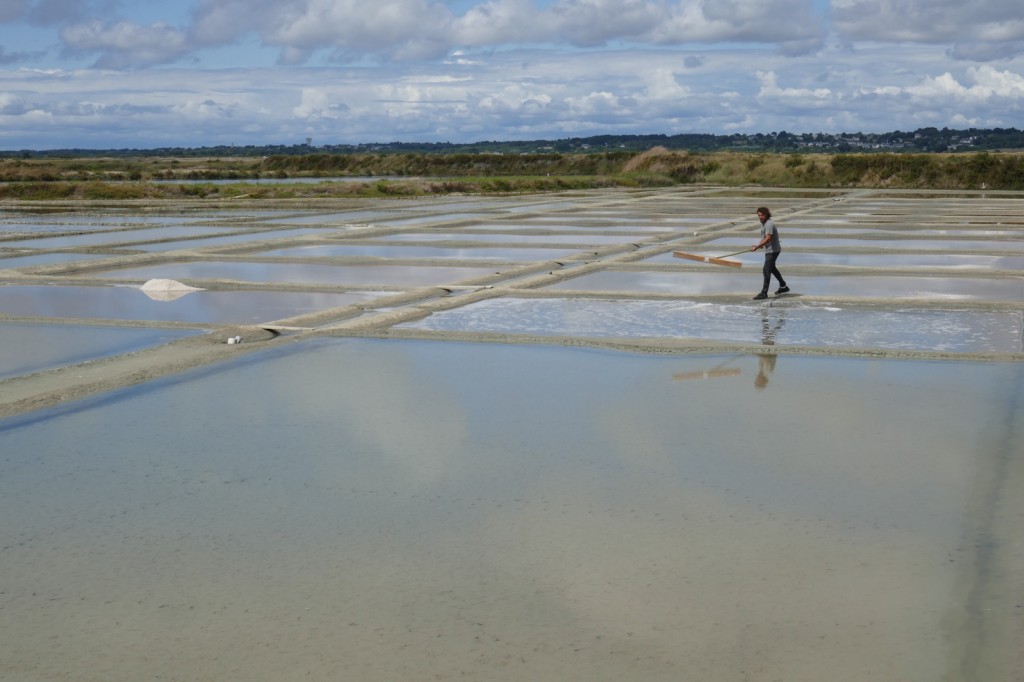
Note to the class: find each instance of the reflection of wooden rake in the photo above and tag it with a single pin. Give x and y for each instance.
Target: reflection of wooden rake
(708, 374)
(719, 370)
(714, 260)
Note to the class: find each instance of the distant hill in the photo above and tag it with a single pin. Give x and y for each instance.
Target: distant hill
(921, 140)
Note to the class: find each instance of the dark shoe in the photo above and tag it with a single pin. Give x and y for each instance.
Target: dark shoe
(761, 296)
(782, 290)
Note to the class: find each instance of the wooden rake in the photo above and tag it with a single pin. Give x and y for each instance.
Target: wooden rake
(714, 260)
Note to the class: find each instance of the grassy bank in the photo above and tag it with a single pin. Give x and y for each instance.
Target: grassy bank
(425, 174)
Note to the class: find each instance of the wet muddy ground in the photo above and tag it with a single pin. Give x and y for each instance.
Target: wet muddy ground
(513, 438)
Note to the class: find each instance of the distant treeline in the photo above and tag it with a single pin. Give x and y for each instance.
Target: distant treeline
(664, 166)
(920, 140)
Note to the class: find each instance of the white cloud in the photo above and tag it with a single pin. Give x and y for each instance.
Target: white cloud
(599, 104)
(895, 20)
(409, 29)
(595, 22)
(500, 69)
(981, 29)
(12, 105)
(350, 30)
(744, 125)
(498, 22)
(516, 99)
(961, 121)
(1000, 83)
(222, 22)
(662, 84)
(986, 51)
(123, 44)
(988, 84)
(313, 105)
(939, 86)
(791, 23)
(770, 89)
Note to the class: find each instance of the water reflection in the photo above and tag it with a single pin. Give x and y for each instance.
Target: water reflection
(389, 506)
(126, 303)
(951, 331)
(765, 366)
(718, 371)
(302, 273)
(693, 283)
(772, 321)
(29, 348)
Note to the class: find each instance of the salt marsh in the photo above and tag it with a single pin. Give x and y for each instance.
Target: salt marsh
(591, 461)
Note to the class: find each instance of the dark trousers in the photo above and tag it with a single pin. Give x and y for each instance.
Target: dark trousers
(769, 270)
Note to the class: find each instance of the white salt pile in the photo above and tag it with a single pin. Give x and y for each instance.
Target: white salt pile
(166, 289)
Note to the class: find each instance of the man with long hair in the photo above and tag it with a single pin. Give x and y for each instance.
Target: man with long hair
(772, 248)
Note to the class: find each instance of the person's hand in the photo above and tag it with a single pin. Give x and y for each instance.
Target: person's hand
(754, 247)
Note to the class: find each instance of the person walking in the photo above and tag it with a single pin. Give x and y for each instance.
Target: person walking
(772, 248)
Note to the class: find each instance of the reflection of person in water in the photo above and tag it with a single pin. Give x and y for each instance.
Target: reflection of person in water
(766, 361)
(770, 328)
(765, 366)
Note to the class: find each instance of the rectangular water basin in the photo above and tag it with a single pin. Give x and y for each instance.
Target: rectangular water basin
(359, 510)
(952, 331)
(130, 303)
(120, 237)
(1015, 247)
(581, 239)
(952, 261)
(440, 252)
(202, 243)
(29, 348)
(46, 259)
(301, 273)
(718, 281)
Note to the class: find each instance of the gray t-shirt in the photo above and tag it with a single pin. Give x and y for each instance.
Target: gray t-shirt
(774, 246)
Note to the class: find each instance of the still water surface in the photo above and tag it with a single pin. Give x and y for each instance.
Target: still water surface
(382, 510)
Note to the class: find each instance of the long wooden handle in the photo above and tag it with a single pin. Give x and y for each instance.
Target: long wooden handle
(708, 259)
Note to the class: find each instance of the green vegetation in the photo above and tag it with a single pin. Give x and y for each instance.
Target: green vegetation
(433, 165)
(410, 174)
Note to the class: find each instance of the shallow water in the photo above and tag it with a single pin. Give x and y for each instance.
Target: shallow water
(140, 234)
(130, 303)
(581, 239)
(621, 227)
(904, 231)
(342, 509)
(380, 510)
(384, 251)
(433, 218)
(27, 348)
(73, 221)
(788, 323)
(13, 261)
(863, 260)
(332, 218)
(721, 281)
(231, 239)
(1015, 247)
(307, 273)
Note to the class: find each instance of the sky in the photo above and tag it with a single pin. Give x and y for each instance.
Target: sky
(115, 74)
